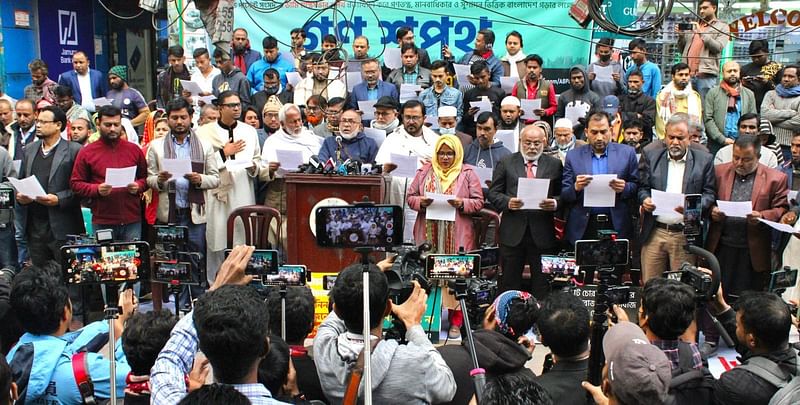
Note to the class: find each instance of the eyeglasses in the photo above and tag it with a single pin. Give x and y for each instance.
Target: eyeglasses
(413, 118)
(42, 122)
(233, 105)
(333, 112)
(446, 154)
(349, 122)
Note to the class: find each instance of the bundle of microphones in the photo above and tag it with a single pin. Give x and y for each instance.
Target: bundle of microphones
(348, 167)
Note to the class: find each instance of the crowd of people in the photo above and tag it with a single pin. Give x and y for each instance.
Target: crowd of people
(725, 132)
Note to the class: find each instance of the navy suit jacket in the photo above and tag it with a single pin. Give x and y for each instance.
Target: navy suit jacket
(359, 93)
(70, 79)
(622, 162)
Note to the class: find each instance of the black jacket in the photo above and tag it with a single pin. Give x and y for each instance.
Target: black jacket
(642, 104)
(563, 382)
(497, 354)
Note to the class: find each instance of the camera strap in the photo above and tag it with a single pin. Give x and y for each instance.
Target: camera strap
(354, 375)
(80, 371)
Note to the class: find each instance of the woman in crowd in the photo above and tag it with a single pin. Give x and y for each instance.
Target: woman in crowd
(446, 174)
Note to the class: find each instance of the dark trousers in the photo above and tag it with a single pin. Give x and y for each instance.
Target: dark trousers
(196, 244)
(44, 249)
(514, 260)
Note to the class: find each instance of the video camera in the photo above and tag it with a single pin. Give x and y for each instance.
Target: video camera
(702, 283)
(410, 264)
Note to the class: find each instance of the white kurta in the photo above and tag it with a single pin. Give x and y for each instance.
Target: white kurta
(306, 142)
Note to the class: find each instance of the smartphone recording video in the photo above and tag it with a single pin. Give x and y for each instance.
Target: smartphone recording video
(96, 264)
(448, 267)
(291, 275)
(170, 272)
(6, 198)
(559, 265)
(357, 226)
(169, 241)
(262, 263)
(692, 212)
(783, 279)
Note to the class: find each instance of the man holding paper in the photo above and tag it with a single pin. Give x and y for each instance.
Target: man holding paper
(371, 87)
(743, 244)
(50, 217)
(534, 86)
(526, 186)
(181, 193)
(113, 207)
(169, 81)
(666, 174)
(603, 205)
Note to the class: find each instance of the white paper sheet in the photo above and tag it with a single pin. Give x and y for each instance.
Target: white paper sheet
(102, 101)
(603, 73)
(507, 83)
(28, 186)
(177, 167)
(484, 173)
(409, 92)
(433, 121)
(391, 58)
(235, 164)
(532, 192)
(353, 79)
(191, 87)
(378, 135)
(406, 165)
(367, 108)
(666, 202)
(598, 193)
(289, 159)
(17, 166)
(573, 112)
(739, 209)
(482, 105)
(528, 107)
(461, 70)
(792, 195)
(509, 138)
(120, 177)
(293, 78)
(440, 209)
(776, 225)
(207, 99)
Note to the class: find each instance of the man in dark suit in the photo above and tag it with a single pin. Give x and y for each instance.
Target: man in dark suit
(520, 223)
(371, 86)
(673, 168)
(599, 156)
(52, 217)
(86, 84)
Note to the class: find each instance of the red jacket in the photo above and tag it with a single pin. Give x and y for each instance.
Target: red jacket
(120, 207)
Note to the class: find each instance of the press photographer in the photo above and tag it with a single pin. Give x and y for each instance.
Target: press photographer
(500, 345)
(410, 373)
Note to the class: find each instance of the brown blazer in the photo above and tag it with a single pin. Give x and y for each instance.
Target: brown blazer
(769, 198)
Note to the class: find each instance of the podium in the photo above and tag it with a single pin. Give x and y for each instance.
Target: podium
(303, 192)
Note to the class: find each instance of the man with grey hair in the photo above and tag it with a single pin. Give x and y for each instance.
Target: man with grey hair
(671, 167)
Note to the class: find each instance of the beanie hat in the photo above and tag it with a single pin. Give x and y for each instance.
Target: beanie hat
(502, 305)
(121, 71)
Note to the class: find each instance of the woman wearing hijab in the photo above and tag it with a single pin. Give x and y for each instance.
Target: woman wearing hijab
(446, 174)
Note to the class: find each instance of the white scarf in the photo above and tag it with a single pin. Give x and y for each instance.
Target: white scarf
(512, 62)
(669, 104)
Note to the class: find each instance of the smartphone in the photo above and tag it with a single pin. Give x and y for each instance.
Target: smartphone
(169, 240)
(6, 198)
(490, 256)
(782, 279)
(602, 252)
(263, 262)
(618, 295)
(359, 226)
(447, 267)
(328, 282)
(692, 212)
(685, 26)
(559, 265)
(98, 264)
(164, 272)
(291, 275)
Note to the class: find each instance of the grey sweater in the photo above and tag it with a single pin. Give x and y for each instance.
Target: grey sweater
(784, 114)
(401, 374)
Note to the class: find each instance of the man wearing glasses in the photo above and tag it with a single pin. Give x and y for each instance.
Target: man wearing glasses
(330, 125)
(351, 143)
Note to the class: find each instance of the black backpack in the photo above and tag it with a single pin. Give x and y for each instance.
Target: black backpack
(788, 384)
(689, 385)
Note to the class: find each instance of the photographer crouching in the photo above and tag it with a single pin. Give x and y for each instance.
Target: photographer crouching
(410, 374)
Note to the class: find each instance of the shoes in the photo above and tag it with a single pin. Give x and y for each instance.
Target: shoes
(454, 332)
(708, 349)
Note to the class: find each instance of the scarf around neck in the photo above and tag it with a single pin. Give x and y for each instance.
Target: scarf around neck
(195, 195)
(787, 93)
(733, 94)
(670, 104)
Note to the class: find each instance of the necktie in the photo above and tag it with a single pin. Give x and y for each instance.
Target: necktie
(530, 172)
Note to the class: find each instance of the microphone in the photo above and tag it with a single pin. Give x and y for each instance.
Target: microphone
(314, 165)
(338, 148)
(329, 167)
(339, 141)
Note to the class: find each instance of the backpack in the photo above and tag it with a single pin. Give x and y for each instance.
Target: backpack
(689, 385)
(788, 385)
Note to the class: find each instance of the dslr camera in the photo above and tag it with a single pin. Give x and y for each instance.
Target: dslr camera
(701, 282)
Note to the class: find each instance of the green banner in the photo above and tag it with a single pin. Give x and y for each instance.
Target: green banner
(546, 27)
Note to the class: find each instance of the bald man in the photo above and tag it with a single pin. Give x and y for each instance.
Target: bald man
(723, 106)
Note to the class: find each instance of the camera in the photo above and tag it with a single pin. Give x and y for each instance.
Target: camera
(169, 241)
(409, 265)
(685, 26)
(111, 263)
(617, 295)
(480, 295)
(262, 264)
(782, 279)
(289, 275)
(607, 251)
(165, 272)
(702, 283)
(359, 226)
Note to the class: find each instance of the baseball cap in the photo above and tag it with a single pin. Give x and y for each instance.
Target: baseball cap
(387, 102)
(447, 111)
(510, 100)
(638, 371)
(610, 104)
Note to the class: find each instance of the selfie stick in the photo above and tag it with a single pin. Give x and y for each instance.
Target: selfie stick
(282, 290)
(459, 288)
(365, 251)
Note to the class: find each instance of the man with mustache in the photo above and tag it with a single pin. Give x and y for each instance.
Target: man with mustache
(533, 86)
(243, 56)
(673, 167)
(677, 96)
(41, 86)
(440, 94)
(129, 100)
(724, 104)
(703, 45)
(371, 87)
(636, 104)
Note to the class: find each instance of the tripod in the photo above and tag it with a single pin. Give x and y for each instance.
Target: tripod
(459, 288)
(599, 326)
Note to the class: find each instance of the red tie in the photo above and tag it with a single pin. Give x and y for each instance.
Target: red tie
(530, 172)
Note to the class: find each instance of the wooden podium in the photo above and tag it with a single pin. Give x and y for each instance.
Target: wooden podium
(303, 191)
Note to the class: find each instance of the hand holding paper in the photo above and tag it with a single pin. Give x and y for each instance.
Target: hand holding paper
(120, 177)
(598, 193)
(740, 209)
(532, 192)
(440, 209)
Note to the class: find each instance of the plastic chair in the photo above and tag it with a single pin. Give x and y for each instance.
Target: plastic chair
(257, 220)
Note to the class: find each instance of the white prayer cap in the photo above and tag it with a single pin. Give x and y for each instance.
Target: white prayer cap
(563, 123)
(510, 100)
(447, 111)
